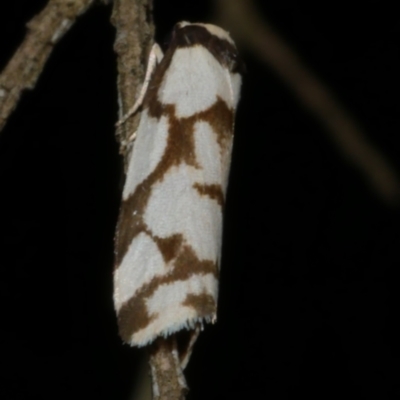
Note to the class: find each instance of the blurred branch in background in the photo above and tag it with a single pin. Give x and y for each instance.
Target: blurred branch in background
(242, 19)
(27, 63)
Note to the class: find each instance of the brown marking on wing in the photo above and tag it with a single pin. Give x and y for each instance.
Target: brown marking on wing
(133, 315)
(203, 303)
(213, 191)
(169, 247)
(181, 144)
(221, 119)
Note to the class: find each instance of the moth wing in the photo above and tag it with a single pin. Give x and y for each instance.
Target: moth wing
(167, 277)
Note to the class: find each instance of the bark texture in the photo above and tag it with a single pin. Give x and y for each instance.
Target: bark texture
(134, 37)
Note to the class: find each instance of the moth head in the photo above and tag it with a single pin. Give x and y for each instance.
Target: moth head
(215, 39)
(212, 29)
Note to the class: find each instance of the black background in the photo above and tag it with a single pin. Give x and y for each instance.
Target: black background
(309, 287)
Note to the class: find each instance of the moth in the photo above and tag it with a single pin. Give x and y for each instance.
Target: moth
(168, 237)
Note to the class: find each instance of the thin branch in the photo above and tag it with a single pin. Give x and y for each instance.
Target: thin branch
(134, 38)
(167, 375)
(243, 20)
(26, 65)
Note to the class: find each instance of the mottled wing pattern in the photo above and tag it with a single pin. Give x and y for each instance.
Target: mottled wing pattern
(169, 230)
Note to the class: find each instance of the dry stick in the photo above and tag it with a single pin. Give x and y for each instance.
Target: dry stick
(257, 34)
(168, 380)
(134, 36)
(26, 65)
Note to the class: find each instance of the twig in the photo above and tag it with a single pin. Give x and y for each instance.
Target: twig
(241, 18)
(134, 38)
(167, 375)
(26, 65)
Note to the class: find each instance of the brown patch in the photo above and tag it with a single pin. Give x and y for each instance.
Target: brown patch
(212, 191)
(133, 315)
(221, 119)
(187, 264)
(181, 145)
(169, 247)
(203, 303)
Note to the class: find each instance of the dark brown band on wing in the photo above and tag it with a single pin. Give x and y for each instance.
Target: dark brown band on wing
(133, 315)
(212, 191)
(223, 50)
(203, 303)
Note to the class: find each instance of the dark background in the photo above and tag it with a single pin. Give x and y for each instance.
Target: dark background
(309, 294)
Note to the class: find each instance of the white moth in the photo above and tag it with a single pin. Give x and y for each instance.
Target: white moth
(168, 239)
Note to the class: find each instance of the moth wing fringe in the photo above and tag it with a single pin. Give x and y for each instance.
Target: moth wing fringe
(189, 324)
